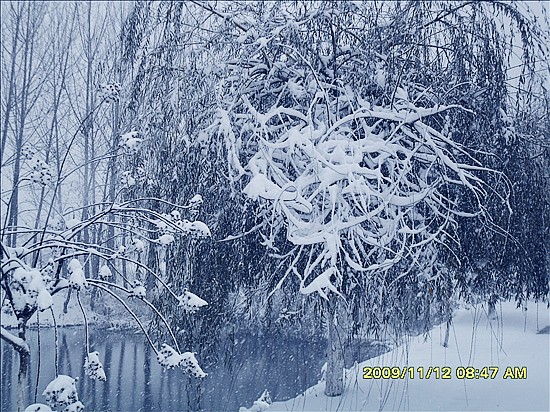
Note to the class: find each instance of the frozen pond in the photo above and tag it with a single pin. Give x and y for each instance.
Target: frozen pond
(237, 374)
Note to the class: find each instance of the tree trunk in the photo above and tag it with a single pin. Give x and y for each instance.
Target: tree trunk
(336, 345)
(24, 362)
(447, 329)
(492, 312)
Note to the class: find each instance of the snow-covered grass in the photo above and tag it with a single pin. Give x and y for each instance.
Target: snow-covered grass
(511, 340)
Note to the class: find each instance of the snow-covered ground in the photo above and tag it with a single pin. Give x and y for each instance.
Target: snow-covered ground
(511, 340)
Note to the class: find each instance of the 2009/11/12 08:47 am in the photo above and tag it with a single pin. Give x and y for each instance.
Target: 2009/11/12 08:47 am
(444, 372)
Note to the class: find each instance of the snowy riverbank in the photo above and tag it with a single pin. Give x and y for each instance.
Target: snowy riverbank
(511, 340)
(71, 317)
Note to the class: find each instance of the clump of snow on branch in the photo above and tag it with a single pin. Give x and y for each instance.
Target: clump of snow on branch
(93, 367)
(41, 173)
(29, 285)
(38, 407)
(262, 404)
(169, 358)
(49, 269)
(105, 273)
(110, 92)
(130, 178)
(191, 302)
(74, 407)
(77, 279)
(136, 245)
(44, 300)
(28, 152)
(130, 141)
(199, 229)
(61, 393)
(171, 224)
(138, 290)
(195, 201)
(165, 239)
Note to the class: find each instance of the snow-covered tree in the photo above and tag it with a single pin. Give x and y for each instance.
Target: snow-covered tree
(351, 124)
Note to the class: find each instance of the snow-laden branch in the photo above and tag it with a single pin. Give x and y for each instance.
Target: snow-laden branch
(151, 306)
(381, 176)
(130, 311)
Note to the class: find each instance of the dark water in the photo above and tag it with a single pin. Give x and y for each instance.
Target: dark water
(243, 368)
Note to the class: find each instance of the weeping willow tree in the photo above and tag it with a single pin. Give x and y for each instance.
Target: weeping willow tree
(372, 137)
(379, 153)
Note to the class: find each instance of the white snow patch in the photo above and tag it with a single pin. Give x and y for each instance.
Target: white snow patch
(195, 200)
(76, 274)
(61, 393)
(44, 300)
(93, 367)
(38, 407)
(262, 404)
(105, 272)
(191, 302)
(165, 239)
(131, 141)
(199, 229)
(138, 290)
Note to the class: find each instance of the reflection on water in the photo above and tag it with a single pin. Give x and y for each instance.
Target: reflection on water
(237, 375)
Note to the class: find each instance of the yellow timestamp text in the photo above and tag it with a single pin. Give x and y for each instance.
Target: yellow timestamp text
(444, 372)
